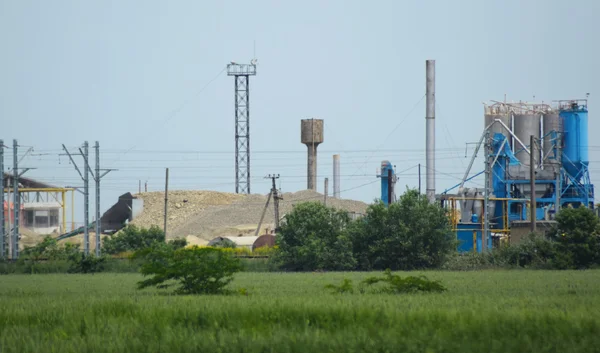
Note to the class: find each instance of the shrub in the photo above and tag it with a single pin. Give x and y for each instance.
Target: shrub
(410, 234)
(398, 285)
(314, 237)
(344, 287)
(132, 238)
(195, 270)
(577, 235)
(80, 263)
(177, 243)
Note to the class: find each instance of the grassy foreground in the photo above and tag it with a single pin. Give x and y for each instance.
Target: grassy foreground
(489, 311)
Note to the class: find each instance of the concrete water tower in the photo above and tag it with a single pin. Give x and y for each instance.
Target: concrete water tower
(311, 134)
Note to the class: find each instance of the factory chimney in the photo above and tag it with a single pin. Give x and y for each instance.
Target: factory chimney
(336, 176)
(311, 134)
(430, 130)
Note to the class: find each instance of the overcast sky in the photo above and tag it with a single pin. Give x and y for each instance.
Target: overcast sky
(145, 79)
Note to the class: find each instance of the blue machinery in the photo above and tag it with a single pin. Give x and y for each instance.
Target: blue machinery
(561, 170)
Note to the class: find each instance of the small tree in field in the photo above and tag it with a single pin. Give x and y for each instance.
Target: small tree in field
(314, 237)
(193, 270)
(577, 234)
(409, 234)
(132, 238)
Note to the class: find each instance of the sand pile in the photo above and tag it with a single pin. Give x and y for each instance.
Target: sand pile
(208, 214)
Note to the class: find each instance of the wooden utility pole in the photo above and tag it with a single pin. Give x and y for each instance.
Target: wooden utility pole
(166, 199)
(532, 204)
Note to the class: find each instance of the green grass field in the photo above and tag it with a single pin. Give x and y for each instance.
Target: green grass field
(488, 311)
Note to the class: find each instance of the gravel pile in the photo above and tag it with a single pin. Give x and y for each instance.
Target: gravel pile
(182, 205)
(208, 214)
(242, 216)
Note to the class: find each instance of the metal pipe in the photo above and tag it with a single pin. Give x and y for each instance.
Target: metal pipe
(430, 129)
(486, 195)
(336, 176)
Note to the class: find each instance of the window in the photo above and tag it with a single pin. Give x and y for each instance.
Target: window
(41, 218)
(29, 218)
(53, 218)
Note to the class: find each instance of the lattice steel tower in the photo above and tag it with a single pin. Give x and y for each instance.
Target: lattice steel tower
(242, 73)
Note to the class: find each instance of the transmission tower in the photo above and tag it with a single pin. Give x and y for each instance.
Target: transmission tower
(242, 73)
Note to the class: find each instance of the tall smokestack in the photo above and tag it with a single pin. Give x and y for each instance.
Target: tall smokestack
(336, 176)
(311, 134)
(430, 130)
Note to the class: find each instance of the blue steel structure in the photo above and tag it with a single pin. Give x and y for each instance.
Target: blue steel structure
(562, 180)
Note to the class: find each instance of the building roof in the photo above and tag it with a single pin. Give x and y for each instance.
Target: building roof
(30, 183)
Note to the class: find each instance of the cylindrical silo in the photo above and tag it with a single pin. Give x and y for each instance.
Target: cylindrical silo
(311, 134)
(525, 125)
(575, 151)
(552, 130)
(498, 112)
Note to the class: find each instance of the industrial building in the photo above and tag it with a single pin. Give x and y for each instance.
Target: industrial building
(536, 158)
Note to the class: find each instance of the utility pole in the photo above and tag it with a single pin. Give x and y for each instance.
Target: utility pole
(263, 213)
(276, 199)
(140, 186)
(16, 202)
(86, 192)
(486, 193)
(2, 221)
(146, 186)
(166, 199)
(326, 189)
(86, 202)
(533, 205)
(97, 178)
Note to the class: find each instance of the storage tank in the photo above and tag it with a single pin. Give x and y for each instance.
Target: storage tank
(524, 126)
(499, 112)
(552, 128)
(311, 134)
(574, 117)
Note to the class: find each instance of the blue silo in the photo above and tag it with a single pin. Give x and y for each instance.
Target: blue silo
(575, 150)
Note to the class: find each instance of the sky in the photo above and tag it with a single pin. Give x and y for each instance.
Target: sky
(146, 80)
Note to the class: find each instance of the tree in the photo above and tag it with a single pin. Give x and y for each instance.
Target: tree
(132, 238)
(409, 234)
(196, 270)
(314, 237)
(577, 234)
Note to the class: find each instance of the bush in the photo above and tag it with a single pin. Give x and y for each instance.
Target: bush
(80, 263)
(194, 270)
(132, 238)
(47, 250)
(399, 285)
(345, 287)
(314, 237)
(177, 243)
(577, 235)
(410, 234)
